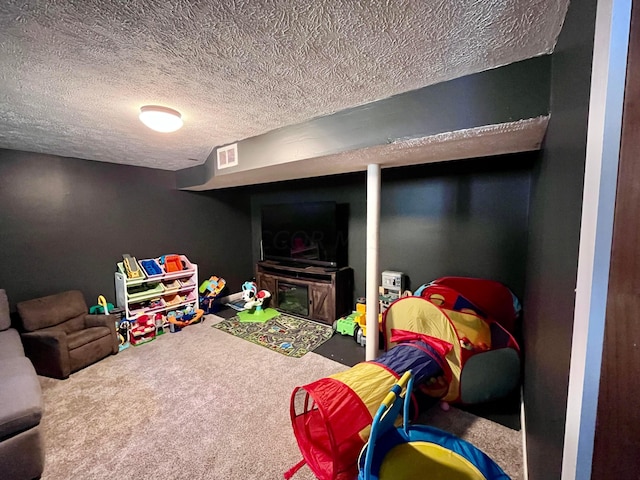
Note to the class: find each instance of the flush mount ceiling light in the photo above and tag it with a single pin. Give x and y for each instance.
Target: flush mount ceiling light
(160, 119)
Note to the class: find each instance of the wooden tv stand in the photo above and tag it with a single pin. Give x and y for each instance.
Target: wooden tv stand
(328, 293)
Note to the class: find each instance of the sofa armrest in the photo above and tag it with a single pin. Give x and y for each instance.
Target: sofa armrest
(48, 351)
(104, 321)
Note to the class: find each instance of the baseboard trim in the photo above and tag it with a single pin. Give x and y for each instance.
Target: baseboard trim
(230, 298)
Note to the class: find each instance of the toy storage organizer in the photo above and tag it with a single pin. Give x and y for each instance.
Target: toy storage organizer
(158, 291)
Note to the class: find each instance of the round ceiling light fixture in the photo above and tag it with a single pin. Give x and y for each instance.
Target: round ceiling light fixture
(160, 119)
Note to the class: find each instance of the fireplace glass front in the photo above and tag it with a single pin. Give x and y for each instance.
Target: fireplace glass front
(293, 298)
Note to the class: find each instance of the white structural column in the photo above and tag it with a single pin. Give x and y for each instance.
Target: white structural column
(598, 206)
(373, 240)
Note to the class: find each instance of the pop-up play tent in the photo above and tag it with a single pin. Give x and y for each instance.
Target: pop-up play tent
(484, 358)
(486, 298)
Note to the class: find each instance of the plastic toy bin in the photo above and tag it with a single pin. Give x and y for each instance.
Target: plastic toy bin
(131, 281)
(152, 269)
(173, 263)
(186, 268)
(172, 286)
(144, 292)
(138, 309)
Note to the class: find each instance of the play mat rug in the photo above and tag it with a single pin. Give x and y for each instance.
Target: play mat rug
(285, 334)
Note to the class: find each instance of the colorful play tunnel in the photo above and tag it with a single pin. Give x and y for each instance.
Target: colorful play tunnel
(332, 417)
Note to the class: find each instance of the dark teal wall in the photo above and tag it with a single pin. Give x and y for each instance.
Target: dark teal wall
(64, 223)
(69, 221)
(553, 253)
(456, 218)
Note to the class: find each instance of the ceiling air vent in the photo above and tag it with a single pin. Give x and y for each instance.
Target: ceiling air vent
(227, 156)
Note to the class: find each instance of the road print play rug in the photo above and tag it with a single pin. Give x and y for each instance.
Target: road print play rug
(285, 334)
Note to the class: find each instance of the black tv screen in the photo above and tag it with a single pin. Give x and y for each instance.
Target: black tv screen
(312, 233)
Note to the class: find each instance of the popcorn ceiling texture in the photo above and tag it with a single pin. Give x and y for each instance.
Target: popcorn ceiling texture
(74, 74)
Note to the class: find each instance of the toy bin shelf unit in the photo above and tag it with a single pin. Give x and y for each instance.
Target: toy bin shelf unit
(157, 290)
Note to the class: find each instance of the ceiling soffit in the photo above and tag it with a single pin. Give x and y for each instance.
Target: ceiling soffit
(479, 142)
(518, 91)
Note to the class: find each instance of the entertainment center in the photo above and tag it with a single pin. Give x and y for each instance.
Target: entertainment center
(317, 293)
(303, 265)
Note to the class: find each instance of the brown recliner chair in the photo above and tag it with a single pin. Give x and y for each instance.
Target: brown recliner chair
(60, 337)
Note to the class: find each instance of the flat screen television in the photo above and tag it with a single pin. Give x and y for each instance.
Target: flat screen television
(307, 233)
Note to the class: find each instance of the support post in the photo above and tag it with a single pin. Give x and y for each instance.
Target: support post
(373, 238)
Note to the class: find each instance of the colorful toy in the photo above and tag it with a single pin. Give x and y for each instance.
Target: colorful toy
(191, 315)
(131, 266)
(347, 325)
(257, 300)
(143, 330)
(123, 328)
(249, 292)
(162, 324)
(253, 307)
(209, 290)
(355, 324)
(393, 284)
(213, 286)
(185, 317)
(418, 451)
(102, 308)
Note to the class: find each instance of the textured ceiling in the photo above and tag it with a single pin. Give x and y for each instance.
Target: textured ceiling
(73, 75)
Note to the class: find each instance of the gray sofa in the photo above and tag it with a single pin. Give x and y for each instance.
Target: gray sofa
(21, 446)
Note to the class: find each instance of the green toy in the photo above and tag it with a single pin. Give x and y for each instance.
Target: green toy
(354, 325)
(102, 308)
(347, 325)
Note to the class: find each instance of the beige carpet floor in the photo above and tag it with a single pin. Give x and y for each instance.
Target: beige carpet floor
(202, 404)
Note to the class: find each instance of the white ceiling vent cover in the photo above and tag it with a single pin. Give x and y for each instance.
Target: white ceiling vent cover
(227, 156)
